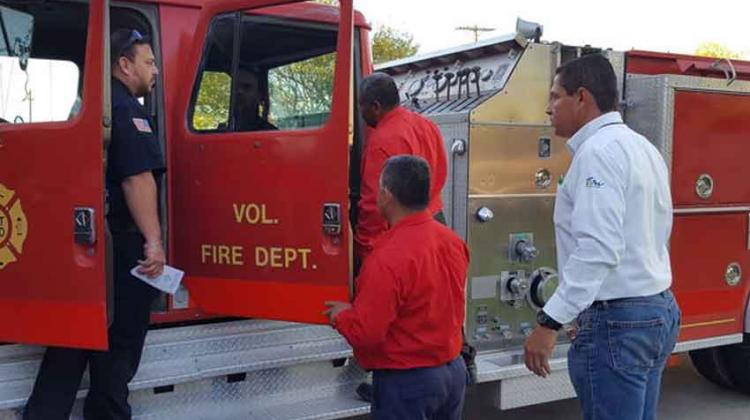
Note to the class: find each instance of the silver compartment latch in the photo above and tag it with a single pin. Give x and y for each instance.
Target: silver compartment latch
(84, 226)
(733, 274)
(704, 186)
(332, 219)
(458, 147)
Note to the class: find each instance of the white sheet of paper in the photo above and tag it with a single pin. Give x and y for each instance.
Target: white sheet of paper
(168, 281)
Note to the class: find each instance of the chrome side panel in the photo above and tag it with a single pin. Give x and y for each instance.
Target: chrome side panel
(455, 131)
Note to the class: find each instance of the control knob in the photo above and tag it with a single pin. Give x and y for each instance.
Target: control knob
(517, 286)
(541, 286)
(525, 251)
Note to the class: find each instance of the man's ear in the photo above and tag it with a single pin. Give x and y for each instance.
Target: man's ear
(587, 97)
(581, 94)
(387, 195)
(124, 65)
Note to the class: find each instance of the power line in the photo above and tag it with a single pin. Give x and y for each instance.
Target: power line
(476, 29)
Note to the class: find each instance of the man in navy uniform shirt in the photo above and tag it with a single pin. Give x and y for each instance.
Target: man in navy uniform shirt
(135, 165)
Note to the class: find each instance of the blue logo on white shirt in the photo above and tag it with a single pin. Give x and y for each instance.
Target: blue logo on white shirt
(592, 182)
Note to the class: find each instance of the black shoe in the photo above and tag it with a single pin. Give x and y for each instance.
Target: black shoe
(364, 391)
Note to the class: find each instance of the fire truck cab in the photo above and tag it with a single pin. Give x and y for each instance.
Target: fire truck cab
(255, 108)
(257, 215)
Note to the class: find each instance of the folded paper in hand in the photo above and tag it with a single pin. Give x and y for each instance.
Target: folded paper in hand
(168, 281)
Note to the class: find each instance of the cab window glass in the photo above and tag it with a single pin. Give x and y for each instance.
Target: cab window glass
(279, 78)
(41, 63)
(212, 105)
(212, 98)
(300, 93)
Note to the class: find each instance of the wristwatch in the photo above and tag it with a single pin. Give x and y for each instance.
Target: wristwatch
(547, 321)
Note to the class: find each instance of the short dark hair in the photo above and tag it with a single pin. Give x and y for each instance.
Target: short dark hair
(407, 177)
(594, 73)
(123, 42)
(381, 88)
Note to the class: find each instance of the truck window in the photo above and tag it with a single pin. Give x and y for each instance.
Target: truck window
(280, 77)
(300, 93)
(212, 106)
(46, 86)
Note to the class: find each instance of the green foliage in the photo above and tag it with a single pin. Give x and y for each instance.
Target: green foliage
(212, 105)
(390, 44)
(714, 49)
(300, 89)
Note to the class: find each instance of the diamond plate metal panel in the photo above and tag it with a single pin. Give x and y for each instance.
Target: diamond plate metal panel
(310, 391)
(185, 354)
(529, 390)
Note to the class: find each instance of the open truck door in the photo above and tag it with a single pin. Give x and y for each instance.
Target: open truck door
(259, 160)
(54, 114)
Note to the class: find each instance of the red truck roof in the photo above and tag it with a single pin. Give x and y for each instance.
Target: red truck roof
(307, 11)
(648, 62)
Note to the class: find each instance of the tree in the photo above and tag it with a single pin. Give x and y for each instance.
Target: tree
(212, 104)
(387, 43)
(391, 44)
(714, 49)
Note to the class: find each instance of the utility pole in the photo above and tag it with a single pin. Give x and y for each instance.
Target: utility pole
(476, 29)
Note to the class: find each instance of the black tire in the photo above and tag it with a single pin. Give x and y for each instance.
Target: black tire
(737, 357)
(712, 364)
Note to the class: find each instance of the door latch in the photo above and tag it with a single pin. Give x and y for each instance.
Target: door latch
(84, 226)
(332, 219)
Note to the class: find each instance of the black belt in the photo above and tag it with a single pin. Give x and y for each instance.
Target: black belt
(604, 303)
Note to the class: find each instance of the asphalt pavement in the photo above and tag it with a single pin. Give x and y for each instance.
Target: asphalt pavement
(685, 396)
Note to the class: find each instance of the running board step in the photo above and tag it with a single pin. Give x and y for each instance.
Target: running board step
(180, 355)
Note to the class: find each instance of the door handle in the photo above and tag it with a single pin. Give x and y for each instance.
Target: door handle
(332, 219)
(84, 226)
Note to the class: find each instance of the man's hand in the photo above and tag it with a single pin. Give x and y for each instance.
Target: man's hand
(334, 309)
(538, 349)
(153, 264)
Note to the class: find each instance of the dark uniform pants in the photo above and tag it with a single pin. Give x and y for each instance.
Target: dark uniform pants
(60, 374)
(434, 393)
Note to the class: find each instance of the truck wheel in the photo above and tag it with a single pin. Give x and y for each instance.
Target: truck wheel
(737, 357)
(712, 364)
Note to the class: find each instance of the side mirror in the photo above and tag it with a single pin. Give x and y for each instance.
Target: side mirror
(16, 29)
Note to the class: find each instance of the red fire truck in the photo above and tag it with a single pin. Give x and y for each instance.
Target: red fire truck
(261, 221)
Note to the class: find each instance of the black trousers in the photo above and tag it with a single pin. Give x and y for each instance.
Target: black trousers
(434, 393)
(60, 373)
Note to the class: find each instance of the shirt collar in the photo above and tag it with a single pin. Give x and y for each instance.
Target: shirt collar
(398, 110)
(591, 127)
(117, 85)
(412, 219)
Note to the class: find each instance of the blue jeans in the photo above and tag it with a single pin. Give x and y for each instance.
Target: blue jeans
(433, 393)
(618, 355)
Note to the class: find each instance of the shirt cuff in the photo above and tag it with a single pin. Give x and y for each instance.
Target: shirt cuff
(342, 321)
(559, 310)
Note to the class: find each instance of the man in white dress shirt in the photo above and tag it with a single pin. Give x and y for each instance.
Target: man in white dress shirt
(613, 218)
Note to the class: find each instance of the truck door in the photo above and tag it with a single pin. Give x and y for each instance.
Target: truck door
(52, 119)
(260, 161)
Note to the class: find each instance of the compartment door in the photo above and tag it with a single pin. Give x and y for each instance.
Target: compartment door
(53, 288)
(260, 208)
(710, 257)
(710, 141)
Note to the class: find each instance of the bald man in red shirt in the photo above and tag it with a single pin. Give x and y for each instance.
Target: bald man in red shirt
(397, 131)
(406, 319)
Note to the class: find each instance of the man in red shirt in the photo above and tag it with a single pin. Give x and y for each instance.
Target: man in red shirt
(397, 131)
(405, 322)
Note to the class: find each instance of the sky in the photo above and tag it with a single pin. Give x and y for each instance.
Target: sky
(657, 25)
